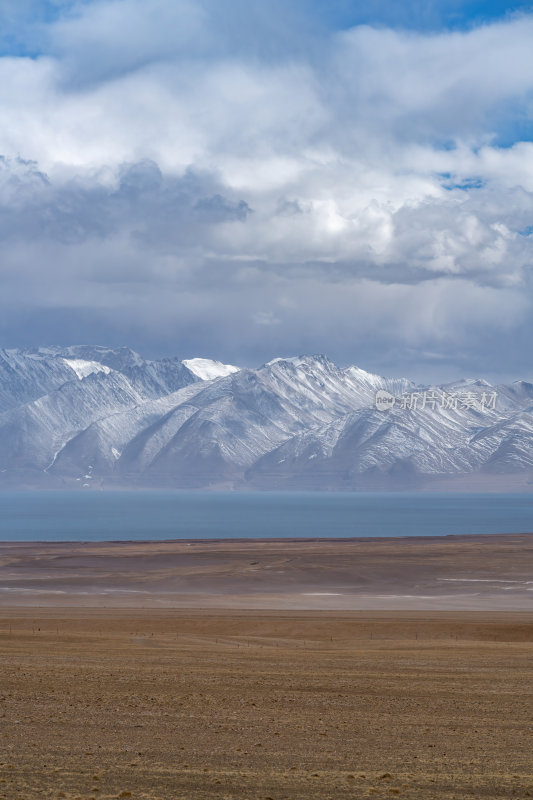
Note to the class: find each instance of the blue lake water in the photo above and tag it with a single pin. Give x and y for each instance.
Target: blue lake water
(102, 516)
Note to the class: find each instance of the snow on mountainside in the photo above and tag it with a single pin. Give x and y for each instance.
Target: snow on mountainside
(372, 447)
(89, 415)
(207, 370)
(27, 375)
(83, 368)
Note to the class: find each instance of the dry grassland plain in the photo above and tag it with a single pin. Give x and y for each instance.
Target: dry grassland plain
(271, 669)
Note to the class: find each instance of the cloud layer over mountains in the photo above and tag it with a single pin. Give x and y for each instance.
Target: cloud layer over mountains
(213, 178)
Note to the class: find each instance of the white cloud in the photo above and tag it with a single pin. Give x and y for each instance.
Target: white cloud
(112, 37)
(446, 84)
(328, 186)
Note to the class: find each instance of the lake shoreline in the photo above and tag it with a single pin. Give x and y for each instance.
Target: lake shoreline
(469, 572)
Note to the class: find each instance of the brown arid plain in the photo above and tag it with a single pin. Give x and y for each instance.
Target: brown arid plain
(303, 669)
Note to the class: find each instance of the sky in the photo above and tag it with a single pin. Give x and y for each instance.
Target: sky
(242, 180)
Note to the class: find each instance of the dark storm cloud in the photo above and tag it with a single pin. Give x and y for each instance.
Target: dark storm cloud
(159, 210)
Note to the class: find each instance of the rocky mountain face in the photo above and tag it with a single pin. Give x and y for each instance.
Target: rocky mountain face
(83, 416)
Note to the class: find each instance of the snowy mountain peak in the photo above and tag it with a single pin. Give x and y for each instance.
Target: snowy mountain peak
(118, 358)
(107, 417)
(207, 370)
(466, 383)
(84, 368)
(312, 362)
(290, 359)
(361, 375)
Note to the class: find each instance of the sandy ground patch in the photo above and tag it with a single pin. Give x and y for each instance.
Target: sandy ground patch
(183, 705)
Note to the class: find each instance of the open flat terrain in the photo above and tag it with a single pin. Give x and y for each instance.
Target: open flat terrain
(450, 572)
(238, 670)
(184, 705)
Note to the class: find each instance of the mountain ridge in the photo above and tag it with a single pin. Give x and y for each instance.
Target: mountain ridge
(85, 416)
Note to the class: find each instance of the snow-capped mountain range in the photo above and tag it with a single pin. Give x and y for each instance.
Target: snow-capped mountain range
(84, 417)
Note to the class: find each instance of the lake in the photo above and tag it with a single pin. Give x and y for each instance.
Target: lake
(102, 516)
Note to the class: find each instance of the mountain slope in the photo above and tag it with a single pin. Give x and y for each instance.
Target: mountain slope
(95, 416)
